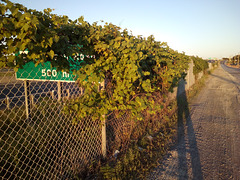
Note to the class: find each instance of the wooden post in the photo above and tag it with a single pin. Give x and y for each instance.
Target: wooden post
(27, 98)
(104, 136)
(8, 102)
(59, 91)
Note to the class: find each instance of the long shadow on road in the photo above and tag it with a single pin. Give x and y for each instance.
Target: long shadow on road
(187, 143)
(225, 79)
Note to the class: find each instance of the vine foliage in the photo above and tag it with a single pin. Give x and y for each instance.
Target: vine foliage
(199, 65)
(133, 67)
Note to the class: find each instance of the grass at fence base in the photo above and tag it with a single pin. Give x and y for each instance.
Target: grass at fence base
(22, 142)
(145, 154)
(142, 154)
(199, 84)
(29, 143)
(46, 143)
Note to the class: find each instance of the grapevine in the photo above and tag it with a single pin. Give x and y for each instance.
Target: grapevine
(133, 68)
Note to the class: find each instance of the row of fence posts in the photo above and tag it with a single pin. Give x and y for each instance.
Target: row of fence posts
(31, 96)
(29, 101)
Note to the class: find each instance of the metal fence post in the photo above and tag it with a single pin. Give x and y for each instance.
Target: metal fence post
(27, 98)
(32, 99)
(104, 136)
(81, 90)
(52, 94)
(8, 102)
(59, 90)
(68, 93)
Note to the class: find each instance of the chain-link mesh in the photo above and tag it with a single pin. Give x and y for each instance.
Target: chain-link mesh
(122, 130)
(37, 140)
(118, 132)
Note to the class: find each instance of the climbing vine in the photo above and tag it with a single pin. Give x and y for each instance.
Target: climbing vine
(132, 67)
(199, 64)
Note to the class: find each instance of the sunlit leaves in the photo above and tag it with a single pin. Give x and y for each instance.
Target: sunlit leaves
(199, 64)
(51, 54)
(133, 67)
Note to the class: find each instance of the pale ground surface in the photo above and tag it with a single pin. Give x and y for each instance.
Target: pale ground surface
(208, 144)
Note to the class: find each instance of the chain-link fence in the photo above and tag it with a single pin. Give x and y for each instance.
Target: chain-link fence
(122, 129)
(37, 140)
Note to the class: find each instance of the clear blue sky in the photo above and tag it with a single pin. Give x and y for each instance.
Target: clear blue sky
(207, 28)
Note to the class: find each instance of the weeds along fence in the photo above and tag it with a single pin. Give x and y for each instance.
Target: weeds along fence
(39, 141)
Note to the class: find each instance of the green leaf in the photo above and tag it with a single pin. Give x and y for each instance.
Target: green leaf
(75, 107)
(56, 38)
(51, 54)
(15, 11)
(16, 69)
(50, 41)
(146, 85)
(146, 73)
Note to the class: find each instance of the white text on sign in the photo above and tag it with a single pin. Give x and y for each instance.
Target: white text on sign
(49, 73)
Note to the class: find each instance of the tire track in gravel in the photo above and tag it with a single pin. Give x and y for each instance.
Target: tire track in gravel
(208, 145)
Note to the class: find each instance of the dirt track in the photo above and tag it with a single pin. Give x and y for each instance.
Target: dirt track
(209, 140)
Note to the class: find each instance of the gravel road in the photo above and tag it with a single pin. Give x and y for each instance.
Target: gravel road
(208, 142)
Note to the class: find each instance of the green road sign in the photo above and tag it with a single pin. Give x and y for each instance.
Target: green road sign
(43, 73)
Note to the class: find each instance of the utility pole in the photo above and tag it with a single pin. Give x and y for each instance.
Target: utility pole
(238, 60)
(229, 60)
